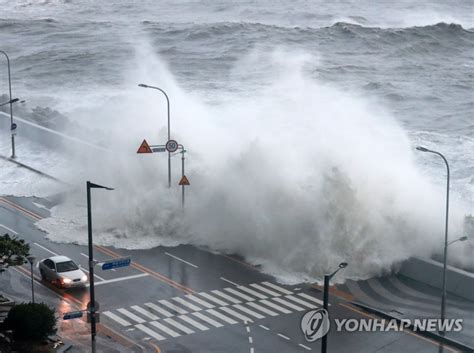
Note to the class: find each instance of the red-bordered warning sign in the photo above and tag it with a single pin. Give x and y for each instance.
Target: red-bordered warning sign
(144, 148)
(184, 181)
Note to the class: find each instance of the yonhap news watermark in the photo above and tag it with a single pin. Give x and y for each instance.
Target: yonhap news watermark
(316, 324)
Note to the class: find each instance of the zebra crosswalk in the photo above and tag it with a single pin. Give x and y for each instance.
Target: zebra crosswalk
(191, 313)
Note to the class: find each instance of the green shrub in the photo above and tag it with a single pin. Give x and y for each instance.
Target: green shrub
(32, 322)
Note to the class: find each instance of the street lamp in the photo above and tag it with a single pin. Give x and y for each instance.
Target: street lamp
(327, 278)
(464, 238)
(91, 260)
(445, 260)
(10, 102)
(31, 259)
(169, 131)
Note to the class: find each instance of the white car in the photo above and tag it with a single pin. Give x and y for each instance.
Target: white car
(61, 270)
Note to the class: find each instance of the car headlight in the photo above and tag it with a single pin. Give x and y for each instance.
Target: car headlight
(67, 280)
(84, 278)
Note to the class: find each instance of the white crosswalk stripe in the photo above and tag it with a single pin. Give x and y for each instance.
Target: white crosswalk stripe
(193, 322)
(144, 312)
(300, 301)
(200, 301)
(162, 311)
(131, 315)
(262, 309)
(251, 291)
(278, 288)
(248, 311)
(265, 290)
(239, 294)
(213, 299)
(172, 306)
(185, 303)
(236, 314)
(116, 318)
(179, 326)
(222, 316)
(207, 319)
(274, 306)
(165, 329)
(150, 332)
(288, 304)
(320, 302)
(225, 296)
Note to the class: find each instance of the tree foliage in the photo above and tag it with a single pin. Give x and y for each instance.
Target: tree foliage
(31, 322)
(13, 251)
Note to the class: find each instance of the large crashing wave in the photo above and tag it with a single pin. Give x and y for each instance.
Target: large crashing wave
(298, 177)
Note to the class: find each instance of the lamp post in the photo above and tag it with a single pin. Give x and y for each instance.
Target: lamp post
(10, 102)
(464, 238)
(169, 131)
(183, 151)
(327, 278)
(31, 259)
(91, 260)
(445, 260)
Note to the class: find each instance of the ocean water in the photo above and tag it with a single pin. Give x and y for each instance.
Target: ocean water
(300, 119)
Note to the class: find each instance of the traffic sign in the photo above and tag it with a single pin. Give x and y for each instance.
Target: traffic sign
(96, 306)
(13, 127)
(72, 315)
(184, 181)
(158, 149)
(116, 263)
(171, 146)
(144, 148)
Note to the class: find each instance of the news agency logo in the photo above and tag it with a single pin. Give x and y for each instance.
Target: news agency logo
(315, 324)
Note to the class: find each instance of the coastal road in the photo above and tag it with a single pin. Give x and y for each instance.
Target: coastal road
(185, 299)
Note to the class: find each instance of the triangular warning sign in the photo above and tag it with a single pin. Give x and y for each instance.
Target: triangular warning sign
(144, 148)
(184, 181)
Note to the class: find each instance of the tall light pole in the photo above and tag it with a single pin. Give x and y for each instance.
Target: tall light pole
(12, 129)
(445, 260)
(183, 151)
(327, 278)
(31, 259)
(169, 128)
(91, 260)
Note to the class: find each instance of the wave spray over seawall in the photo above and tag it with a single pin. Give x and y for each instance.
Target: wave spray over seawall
(298, 177)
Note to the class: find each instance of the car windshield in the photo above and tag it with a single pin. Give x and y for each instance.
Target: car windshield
(66, 266)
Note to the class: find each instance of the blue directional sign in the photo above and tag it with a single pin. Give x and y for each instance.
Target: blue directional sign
(72, 315)
(115, 263)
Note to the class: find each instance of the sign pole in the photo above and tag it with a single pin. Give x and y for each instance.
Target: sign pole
(91, 268)
(182, 175)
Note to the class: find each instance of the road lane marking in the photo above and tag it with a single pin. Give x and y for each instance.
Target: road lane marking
(165, 329)
(222, 317)
(119, 279)
(244, 296)
(158, 309)
(179, 326)
(20, 208)
(97, 276)
(172, 306)
(274, 306)
(248, 311)
(225, 296)
(9, 229)
(278, 288)
(250, 339)
(207, 319)
(264, 327)
(262, 309)
(42, 247)
(200, 301)
(300, 301)
(228, 281)
(144, 312)
(131, 315)
(211, 298)
(283, 336)
(236, 314)
(180, 259)
(303, 346)
(116, 318)
(185, 303)
(288, 304)
(320, 302)
(150, 332)
(251, 291)
(193, 322)
(263, 289)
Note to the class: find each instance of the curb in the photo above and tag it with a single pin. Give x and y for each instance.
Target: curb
(435, 336)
